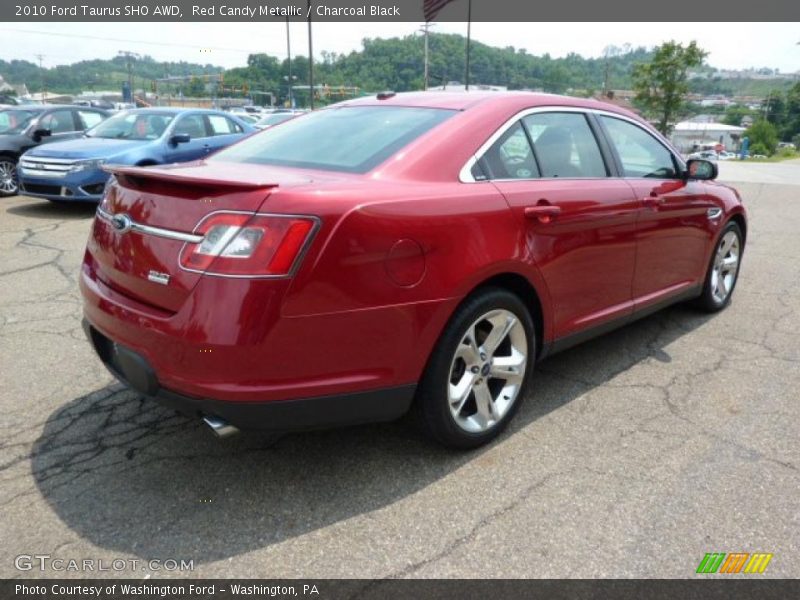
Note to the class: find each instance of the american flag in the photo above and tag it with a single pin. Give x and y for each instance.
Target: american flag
(431, 8)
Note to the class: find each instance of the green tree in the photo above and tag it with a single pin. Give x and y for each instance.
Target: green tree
(195, 88)
(662, 84)
(735, 114)
(764, 136)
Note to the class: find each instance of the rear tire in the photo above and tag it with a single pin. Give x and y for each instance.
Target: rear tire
(723, 269)
(478, 373)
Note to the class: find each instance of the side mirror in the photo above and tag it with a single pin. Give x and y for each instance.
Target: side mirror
(704, 170)
(38, 134)
(180, 138)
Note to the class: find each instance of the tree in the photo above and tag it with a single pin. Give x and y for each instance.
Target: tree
(662, 83)
(735, 114)
(763, 136)
(195, 88)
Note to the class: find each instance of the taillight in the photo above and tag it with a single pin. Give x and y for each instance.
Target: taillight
(246, 245)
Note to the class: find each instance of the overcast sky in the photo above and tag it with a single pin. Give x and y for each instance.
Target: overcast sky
(731, 45)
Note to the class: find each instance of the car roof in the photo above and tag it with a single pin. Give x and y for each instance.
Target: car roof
(173, 110)
(469, 99)
(35, 107)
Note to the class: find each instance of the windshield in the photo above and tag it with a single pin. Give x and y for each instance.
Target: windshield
(275, 119)
(15, 121)
(350, 139)
(132, 126)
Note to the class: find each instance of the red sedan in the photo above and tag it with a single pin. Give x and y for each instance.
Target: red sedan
(407, 251)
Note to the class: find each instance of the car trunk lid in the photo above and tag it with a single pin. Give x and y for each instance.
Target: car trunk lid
(149, 214)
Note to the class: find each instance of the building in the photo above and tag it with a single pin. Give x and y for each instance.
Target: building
(688, 136)
(5, 87)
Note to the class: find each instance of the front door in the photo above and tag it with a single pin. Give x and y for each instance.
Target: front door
(673, 229)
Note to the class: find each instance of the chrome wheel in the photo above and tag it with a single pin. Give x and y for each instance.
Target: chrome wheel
(725, 267)
(487, 371)
(8, 177)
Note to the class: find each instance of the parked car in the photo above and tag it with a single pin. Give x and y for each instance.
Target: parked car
(274, 119)
(704, 155)
(27, 126)
(413, 251)
(96, 103)
(73, 171)
(249, 119)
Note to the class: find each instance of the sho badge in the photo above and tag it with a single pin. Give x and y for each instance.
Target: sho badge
(157, 277)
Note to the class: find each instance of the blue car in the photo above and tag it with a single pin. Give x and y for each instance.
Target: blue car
(72, 170)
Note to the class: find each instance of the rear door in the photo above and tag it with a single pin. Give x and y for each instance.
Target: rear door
(673, 229)
(580, 220)
(224, 131)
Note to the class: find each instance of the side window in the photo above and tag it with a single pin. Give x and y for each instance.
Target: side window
(191, 124)
(565, 145)
(58, 121)
(640, 153)
(90, 118)
(510, 157)
(222, 125)
(235, 127)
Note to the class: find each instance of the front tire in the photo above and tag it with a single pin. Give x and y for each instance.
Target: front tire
(9, 183)
(479, 371)
(723, 270)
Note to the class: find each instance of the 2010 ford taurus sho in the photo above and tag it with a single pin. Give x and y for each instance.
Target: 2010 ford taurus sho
(400, 252)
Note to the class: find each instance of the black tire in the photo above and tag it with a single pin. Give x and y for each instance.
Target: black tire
(432, 404)
(710, 301)
(8, 164)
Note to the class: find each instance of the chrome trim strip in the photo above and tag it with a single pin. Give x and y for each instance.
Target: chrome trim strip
(465, 174)
(156, 231)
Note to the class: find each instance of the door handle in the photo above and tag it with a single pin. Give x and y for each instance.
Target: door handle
(653, 201)
(543, 212)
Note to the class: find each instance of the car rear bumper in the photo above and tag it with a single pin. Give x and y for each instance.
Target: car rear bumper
(371, 406)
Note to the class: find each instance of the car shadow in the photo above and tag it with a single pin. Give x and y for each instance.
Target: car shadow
(132, 477)
(44, 209)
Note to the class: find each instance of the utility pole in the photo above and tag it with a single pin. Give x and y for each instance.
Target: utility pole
(44, 84)
(469, 27)
(310, 62)
(289, 58)
(129, 58)
(425, 29)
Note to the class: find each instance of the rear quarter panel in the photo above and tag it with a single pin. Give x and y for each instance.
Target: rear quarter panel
(465, 234)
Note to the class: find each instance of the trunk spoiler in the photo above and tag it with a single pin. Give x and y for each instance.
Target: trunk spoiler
(183, 174)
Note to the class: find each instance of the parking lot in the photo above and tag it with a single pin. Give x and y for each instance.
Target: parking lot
(635, 455)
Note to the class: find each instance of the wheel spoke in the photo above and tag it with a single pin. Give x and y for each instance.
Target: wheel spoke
(508, 367)
(501, 326)
(483, 399)
(468, 348)
(459, 393)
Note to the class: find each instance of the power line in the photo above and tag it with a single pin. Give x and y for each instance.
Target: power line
(140, 42)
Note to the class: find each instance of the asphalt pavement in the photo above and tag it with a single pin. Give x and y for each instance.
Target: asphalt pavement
(635, 454)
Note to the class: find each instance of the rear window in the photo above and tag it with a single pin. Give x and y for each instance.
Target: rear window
(351, 139)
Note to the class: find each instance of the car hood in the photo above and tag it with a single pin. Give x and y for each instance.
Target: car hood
(86, 147)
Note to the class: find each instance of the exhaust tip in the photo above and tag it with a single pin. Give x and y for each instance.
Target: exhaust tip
(220, 427)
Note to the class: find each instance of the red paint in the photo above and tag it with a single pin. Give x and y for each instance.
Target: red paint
(394, 252)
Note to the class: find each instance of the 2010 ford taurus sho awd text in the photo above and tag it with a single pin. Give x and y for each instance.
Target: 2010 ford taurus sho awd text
(404, 252)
